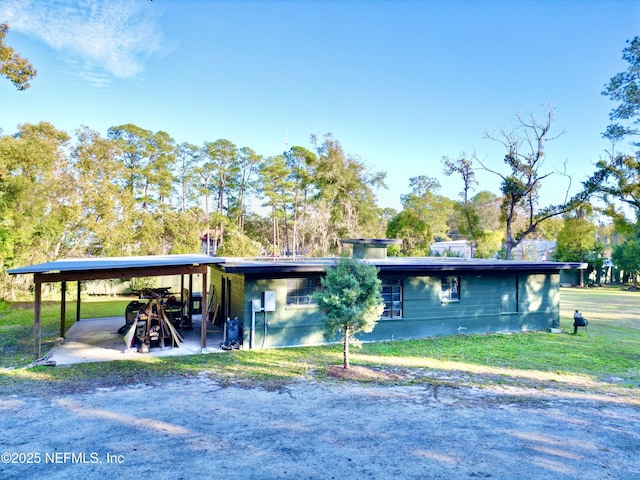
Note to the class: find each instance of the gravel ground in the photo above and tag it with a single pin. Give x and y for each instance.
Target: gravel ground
(197, 428)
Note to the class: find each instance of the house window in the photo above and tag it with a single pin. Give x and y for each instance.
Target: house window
(450, 291)
(300, 290)
(392, 296)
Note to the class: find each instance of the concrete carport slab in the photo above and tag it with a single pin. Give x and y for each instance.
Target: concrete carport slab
(98, 340)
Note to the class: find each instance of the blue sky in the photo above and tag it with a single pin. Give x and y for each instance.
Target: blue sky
(399, 83)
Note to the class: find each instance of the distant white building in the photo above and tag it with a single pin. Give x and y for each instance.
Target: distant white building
(534, 251)
(452, 248)
(528, 250)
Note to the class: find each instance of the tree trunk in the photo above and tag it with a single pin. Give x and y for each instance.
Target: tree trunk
(346, 348)
(208, 220)
(241, 213)
(275, 231)
(508, 249)
(295, 229)
(509, 243)
(219, 229)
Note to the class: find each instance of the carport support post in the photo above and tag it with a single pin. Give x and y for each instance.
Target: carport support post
(36, 320)
(63, 307)
(78, 302)
(190, 295)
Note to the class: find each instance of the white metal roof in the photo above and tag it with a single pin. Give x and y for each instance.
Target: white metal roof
(301, 264)
(112, 263)
(391, 264)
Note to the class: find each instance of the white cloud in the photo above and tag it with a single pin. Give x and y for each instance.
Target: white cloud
(116, 36)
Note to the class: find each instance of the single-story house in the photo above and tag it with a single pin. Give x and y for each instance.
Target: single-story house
(272, 298)
(429, 296)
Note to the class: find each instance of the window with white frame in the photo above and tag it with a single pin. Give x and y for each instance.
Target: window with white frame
(450, 289)
(392, 296)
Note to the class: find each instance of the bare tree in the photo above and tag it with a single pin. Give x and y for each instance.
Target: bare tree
(521, 184)
(471, 225)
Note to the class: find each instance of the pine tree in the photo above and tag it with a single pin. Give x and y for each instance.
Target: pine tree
(352, 300)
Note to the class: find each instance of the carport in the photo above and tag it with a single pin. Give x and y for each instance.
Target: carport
(82, 269)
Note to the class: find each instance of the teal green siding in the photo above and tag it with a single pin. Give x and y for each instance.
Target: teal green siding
(488, 303)
(288, 325)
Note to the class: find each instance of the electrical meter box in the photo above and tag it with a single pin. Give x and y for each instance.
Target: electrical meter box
(269, 301)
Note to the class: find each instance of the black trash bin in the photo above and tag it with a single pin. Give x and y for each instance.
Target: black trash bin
(233, 335)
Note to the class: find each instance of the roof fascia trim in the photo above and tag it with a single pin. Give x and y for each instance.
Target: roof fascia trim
(77, 275)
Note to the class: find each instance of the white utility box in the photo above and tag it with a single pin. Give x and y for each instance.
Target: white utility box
(269, 301)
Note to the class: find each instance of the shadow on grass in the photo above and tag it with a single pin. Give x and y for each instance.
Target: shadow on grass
(456, 362)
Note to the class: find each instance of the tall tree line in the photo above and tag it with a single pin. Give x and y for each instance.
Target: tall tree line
(135, 191)
(138, 192)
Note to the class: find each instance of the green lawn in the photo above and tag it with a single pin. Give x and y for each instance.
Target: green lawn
(608, 358)
(16, 325)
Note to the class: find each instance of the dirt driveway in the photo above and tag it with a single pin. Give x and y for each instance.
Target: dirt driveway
(195, 428)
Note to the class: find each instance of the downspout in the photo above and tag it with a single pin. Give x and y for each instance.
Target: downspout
(266, 325)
